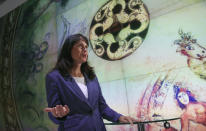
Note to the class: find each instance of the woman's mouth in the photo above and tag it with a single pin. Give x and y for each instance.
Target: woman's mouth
(85, 56)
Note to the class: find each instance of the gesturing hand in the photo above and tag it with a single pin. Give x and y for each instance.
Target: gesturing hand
(58, 111)
(126, 119)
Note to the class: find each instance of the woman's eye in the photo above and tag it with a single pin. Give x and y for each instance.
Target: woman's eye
(82, 47)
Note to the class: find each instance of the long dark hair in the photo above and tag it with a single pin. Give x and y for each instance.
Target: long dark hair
(65, 62)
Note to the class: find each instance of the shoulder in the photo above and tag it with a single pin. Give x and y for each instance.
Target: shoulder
(95, 81)
(53, 74)
(89, 79)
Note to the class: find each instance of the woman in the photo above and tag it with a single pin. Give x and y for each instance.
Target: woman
(193, 111)
(74, 97)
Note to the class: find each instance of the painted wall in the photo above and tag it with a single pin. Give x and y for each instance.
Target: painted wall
(146, 84)
(35, 52)
(163, 78)
(32, 53)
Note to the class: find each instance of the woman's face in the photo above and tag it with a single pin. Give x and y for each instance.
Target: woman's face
(79, 52)
(183, 98)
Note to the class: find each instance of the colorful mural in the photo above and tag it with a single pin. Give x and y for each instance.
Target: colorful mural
(34, 39)
(194, 52)
(161, 77)
(118, 28)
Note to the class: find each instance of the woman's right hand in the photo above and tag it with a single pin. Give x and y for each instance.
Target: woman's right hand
(58, 111)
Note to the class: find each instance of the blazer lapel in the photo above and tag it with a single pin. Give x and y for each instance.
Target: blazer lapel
(92, 94)
(76, 90)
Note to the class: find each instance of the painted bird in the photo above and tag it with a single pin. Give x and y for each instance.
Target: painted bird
(195, 53)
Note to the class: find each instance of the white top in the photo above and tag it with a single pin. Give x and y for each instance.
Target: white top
(82, 85)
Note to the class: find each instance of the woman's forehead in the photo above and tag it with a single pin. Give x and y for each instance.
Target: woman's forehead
(81, 42)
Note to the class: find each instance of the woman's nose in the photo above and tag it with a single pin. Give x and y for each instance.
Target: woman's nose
(84, 49)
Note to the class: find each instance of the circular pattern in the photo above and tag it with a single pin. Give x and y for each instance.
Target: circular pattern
(166, 125)
(119, 28)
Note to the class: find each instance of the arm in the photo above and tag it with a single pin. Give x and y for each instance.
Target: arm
(188, 115)
(184, 122)
(53, 98)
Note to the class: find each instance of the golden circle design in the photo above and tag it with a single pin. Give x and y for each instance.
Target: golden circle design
(119, 28)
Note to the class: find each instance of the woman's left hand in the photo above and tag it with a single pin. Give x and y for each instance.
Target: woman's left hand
(126, 119)
(58, 111)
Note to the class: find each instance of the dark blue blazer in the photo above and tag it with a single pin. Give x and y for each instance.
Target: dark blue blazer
(85, 114)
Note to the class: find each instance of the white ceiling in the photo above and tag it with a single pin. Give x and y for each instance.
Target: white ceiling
(8, 5)
(162, 7)
(156, 7)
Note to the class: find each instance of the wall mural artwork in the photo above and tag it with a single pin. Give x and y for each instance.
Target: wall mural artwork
(68, 30)
(164, 78)
(34, 55)
(9, 117)
(193, 110)
(180, 91)
(34, 40)
(152, 102)
(195, 53)
(119, 28)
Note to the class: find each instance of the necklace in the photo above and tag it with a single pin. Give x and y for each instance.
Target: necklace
(77, 74)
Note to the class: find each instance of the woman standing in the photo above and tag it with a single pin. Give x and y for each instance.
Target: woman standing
(74, 96)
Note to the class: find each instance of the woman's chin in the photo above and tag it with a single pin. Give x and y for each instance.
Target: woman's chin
(83, 61)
